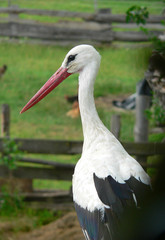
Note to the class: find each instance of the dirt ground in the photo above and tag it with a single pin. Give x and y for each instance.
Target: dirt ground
(106, 101)
(65, 228)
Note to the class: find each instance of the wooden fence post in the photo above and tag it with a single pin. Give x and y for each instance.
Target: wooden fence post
(14, 16)
(5, 120)
(23, 184)
(115, 125)
(143, 100)
(141, 127)
(104, 11)
(95, 5)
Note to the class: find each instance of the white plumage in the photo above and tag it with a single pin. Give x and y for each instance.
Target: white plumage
(106, 179)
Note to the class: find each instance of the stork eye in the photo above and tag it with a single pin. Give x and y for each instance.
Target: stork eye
(71, 58)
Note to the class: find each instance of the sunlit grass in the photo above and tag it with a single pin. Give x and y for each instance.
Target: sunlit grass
(29, 67)
(51, 184)
(117, 7)
(120, 6)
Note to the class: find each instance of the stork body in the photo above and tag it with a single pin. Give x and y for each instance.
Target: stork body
(106, 179)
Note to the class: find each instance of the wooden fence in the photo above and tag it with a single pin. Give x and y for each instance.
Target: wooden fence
(87, 27)
(43, 169)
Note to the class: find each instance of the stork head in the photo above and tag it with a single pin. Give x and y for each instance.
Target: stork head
(75, 61)
(79, 57)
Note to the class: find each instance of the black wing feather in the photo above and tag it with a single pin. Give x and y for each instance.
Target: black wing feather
(114, 194)
(141, 190)
(117, 197)
(92, 224)
(120, 197)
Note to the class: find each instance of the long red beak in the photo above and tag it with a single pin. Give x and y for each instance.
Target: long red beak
(52, 83)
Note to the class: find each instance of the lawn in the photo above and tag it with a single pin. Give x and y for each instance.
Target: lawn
(119, 6)
(29, 66)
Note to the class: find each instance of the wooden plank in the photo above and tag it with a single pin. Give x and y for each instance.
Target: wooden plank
(44, 12)
(121, 18)
(48, 146)
(75, 31)
(5, 120)
(46, 196)
(72, 166)
(56, 173)
(62, 43)
(52, 206)
(143, 103)
(50, 199)
(12, 15)
(54, 200)
(134, 36)
(55, 32)
(45, 162)
(145, 149)
(99, 17)
(141, 127)
(149, 26)
(109, 18)
(115, 125)
(75, 147)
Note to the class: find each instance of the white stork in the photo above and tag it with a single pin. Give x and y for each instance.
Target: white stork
(106, 180)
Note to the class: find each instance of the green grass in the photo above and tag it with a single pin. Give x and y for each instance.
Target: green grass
(119, 6)
(25, 219)
(29, 66)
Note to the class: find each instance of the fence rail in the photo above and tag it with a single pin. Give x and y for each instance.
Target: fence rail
(60, 171)
(105, 17)
(47, 146)
(93, 27)
(30, 168)
(75, 147)
(54, 173)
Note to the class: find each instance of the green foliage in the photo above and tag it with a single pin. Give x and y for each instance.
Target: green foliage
(44, 216)
(10, 153)
(156, 137)
(137, 14)
(10, 204)
(156, 113)
(158, 44)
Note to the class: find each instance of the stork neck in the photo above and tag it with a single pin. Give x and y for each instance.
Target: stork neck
(89, 116)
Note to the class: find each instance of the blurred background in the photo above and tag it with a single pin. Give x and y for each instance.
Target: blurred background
(40, 148)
